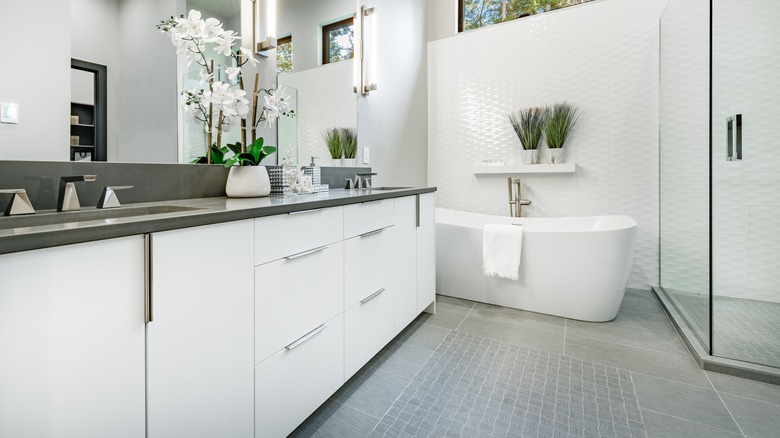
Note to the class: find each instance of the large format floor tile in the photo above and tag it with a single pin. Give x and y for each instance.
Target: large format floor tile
(450, 312)
(667, 426)
(757, 419)
(542, 337)
(371, 390)
(335, 420)
(627, 335)
(745, 388)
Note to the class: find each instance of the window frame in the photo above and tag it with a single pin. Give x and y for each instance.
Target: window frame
(326, 29)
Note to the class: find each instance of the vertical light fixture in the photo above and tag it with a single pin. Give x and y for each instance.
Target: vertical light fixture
(269, 42)
(367, 50)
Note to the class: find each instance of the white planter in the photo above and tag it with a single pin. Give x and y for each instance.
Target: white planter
(350, 162)
(248, 182)
(336, 162)
(530, 156)
(556, 155)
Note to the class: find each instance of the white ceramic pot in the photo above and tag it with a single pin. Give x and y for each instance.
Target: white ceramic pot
(248, 182)
(530, 156)
(556, 155)
(350, 162)
(336, 162)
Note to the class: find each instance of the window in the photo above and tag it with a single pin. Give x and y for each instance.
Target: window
(284, 55)
(473, 14)
(338, 40)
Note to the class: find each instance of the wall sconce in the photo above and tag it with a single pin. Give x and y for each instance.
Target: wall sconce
(269, 42)
(366, 71)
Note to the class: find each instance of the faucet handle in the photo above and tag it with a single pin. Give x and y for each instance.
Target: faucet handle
(68, 199)
(365, 178)
(350, 184)
(108, 198)
(20, 202)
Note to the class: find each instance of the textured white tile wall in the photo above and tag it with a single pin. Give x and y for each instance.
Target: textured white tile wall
(746, 207)
(325, 100)
(603, 56)
(684, 131)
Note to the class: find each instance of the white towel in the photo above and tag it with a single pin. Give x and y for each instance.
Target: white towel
(501, 246)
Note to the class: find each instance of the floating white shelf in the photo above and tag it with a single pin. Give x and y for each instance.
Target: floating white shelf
(524, 168)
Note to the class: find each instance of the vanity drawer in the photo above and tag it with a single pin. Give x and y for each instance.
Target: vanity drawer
(286, 234)
(367, 216)
(293, 383)
(368, 264)
(294, 294)
(368, 326)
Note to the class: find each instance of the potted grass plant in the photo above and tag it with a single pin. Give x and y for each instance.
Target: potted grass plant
(528, 124)
(332, 139)
(561, 118)
(349, 144)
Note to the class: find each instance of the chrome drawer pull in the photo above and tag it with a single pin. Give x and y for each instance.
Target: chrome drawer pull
(306, 337)
(372, 296)
(316, 210)
(372, 232)
(305, 253)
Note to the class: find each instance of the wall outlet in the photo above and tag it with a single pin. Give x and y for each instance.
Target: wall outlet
(365, 155)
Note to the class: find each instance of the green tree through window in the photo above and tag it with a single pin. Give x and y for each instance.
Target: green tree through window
(338, 41)
(284, 55)
(480, 13)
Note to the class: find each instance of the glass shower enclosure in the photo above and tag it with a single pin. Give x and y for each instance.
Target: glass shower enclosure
(720, 212)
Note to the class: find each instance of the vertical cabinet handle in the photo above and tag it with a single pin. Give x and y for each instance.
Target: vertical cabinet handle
(734, 138)
(148, 295)
(739, 136)
(417, 209)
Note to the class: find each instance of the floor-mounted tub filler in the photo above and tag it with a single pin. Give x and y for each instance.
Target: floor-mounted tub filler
(571, 267)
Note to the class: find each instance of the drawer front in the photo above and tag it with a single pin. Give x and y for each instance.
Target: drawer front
(367, 216)
(368, 264)
(368, 326)
(292, 384)
(295, 294)
(286, 234)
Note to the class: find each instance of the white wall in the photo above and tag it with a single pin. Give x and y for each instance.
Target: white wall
(392, 119)
(442, 19)
(44, 129)
(602, 56)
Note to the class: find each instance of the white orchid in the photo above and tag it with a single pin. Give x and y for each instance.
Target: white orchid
(233, 72)
(248, 56)
(213, 31)
(224, 43)
(205, 77)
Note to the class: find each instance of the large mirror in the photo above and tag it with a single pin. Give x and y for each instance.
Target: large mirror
(144, 121)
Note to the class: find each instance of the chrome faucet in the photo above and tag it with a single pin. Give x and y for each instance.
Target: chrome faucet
(108, 198)
(515, 200)
(20, 202)
(68, 200)
(363, 180)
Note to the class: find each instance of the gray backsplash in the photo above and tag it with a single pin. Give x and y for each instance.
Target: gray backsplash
(151, 182)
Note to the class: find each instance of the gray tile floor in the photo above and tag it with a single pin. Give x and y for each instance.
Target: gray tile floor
(674, 397)
(743, 329)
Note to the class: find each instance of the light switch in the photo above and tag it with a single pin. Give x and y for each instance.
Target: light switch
(365, 155)
(9, 112)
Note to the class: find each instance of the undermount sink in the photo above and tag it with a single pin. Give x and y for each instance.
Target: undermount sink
(56, 218)
(389, 188)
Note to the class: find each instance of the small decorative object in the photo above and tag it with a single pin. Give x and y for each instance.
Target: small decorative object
(335, 147)
(491, 162)
(247, 178)
(561, 118)
(219, 105)
(528, 124)
(297, 179)
(74, 140)
(74, 120)
(279, 185)
(349, 144)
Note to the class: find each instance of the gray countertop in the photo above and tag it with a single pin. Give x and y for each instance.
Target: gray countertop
(203, 211)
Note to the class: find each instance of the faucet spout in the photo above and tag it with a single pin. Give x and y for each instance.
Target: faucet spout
(68, 199)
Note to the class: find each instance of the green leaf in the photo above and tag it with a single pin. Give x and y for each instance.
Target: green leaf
(247, 159)
(235, 147)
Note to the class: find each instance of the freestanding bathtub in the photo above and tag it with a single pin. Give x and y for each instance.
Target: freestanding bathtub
(572, 267)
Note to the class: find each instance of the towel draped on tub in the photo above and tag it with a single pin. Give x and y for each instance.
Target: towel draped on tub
(501, 250)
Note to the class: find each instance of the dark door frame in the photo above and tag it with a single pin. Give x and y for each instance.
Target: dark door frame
(101, 112)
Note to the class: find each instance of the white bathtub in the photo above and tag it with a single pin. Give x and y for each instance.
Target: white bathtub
(572, 267)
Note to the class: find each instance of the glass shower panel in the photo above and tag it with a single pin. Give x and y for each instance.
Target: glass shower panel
(745, 180)
(684, 165)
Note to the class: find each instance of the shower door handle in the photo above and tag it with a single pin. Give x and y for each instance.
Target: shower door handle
(734, 138)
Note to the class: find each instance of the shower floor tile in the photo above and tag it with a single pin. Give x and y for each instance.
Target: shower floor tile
(743, 329)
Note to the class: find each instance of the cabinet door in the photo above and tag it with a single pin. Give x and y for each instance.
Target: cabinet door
(405, 240)
(200, 347)
(426, 252)
(72, 341)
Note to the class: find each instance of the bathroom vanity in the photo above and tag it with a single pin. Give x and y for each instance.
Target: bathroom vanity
(221, 317)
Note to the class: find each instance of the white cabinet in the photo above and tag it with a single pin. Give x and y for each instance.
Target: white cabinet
(368, 264)
(72, 341)
(291, 384)
(200, 346)
(426, 252)
(368, 326)
(405, 261)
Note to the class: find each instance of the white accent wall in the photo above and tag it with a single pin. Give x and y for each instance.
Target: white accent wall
(602, 56)
(34, 57)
